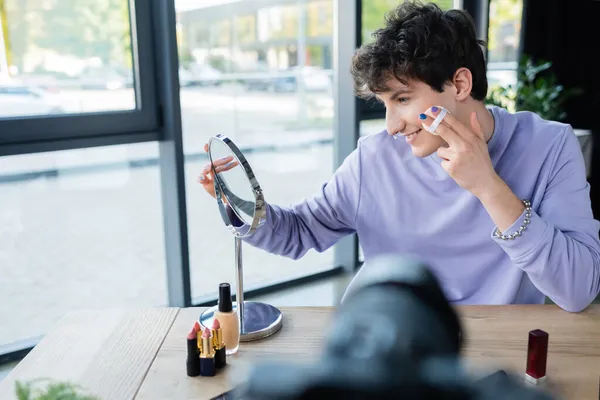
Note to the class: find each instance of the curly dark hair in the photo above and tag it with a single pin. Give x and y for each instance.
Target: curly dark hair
(422, 42)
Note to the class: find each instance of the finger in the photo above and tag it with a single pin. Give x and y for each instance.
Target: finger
(207, 168)
(204, 179)
(445, 132)
(451, 121)
(206, 147)
(476, 126)
(438, 114)
(226, 167)
(222, 161)
(206, 174)
(445, 153)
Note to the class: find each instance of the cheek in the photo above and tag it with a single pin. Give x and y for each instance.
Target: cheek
(448, 103)
(443, 100)
(412, 112)
(423, 106)
(405, 115)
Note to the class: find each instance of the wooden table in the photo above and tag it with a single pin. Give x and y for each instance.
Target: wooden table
(125, 354)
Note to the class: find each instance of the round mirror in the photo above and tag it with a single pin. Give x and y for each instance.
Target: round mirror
(239, 195)
(242, 207)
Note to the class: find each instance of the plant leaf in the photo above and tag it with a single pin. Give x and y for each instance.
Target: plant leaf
(23, 391)
(52, 391)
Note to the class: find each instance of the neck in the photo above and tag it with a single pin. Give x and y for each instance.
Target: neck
(483, 115)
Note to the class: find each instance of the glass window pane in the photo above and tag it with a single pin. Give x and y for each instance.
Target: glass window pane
(373, 12)
(65, 57)
(503, 42)
(262, 75)
(371, 126)
(78, 229)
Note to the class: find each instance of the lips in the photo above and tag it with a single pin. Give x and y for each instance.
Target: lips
(412, 135)
(409, 137)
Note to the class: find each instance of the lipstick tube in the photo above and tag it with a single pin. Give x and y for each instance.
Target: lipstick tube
(537, 355)
(199, 341)
(192, 362)
(219, 345)
(207, 355)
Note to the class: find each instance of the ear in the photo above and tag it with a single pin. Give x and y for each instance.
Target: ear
(463, 81)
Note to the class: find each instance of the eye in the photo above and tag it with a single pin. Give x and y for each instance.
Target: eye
(403, 100)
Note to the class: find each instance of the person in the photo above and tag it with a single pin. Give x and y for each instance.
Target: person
(496, 203)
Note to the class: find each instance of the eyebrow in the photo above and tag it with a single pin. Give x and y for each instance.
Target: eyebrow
(400, 92)
(397, 93)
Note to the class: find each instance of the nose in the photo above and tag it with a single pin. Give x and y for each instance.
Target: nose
(394, 123)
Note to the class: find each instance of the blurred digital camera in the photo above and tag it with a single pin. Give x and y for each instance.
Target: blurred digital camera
(395, 336)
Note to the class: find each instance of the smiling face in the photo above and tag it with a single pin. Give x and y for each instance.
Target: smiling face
(404, 104)
(442, 61)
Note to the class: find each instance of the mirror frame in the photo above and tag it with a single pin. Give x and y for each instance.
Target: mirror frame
(260, 208)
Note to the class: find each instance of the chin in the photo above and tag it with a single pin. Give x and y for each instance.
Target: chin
(422, 152)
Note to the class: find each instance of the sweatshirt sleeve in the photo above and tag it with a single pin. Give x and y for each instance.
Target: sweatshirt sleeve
(316, 223)
(560, 249)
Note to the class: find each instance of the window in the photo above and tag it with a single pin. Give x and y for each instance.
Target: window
(371, 126)
(503, 41)
(373, 12)
(78, 229)
(75, 71)
(274, 90)
(320, 18)
(245, 27)
(65, 57)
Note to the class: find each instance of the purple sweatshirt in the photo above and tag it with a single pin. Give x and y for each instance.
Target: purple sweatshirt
(398, 203)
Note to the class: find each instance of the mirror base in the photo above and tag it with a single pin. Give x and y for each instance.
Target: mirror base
(261, 320)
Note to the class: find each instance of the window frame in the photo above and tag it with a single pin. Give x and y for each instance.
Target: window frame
(34, 133)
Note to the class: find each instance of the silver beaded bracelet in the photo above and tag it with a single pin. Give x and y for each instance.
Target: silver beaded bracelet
(519, 231)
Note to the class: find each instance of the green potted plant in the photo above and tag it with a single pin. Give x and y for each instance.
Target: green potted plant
(43, 389)
(536, 90)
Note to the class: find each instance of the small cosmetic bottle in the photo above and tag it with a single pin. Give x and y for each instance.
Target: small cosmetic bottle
(219, 344)
(228, 319)
(537, 355)
(192, 362)
(207, 355)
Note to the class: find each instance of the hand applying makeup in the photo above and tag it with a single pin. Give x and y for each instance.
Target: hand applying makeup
(467, 161)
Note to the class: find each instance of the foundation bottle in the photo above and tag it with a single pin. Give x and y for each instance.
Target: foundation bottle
(228, 319)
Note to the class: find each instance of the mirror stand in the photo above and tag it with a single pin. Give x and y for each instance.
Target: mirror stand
(257, 320)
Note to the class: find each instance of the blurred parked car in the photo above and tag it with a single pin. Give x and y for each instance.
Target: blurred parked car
(101, 78)
(258, 77)
(48, 81)
(186, 78)
(313, 79)
(19, 99)
(202, 75)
